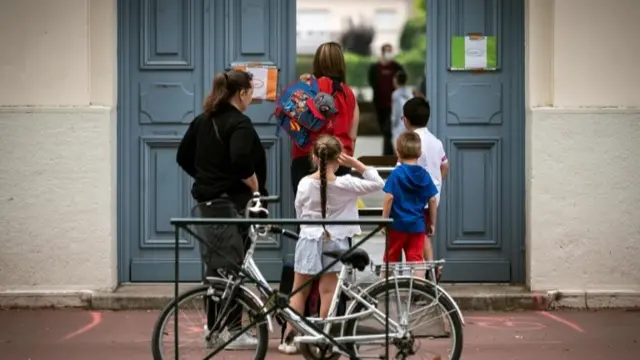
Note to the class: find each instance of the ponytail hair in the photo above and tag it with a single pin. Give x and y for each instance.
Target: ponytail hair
(327, 149)
(225, 85)
(218, 94)
(322, 157)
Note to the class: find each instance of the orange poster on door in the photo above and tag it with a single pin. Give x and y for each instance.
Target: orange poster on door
(265, 80)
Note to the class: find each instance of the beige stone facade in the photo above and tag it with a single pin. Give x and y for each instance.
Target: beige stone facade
(583, 122)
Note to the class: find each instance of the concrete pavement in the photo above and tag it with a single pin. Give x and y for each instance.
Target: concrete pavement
(567, 335)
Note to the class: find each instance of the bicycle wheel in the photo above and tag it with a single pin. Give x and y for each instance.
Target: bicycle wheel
(425, 334)
(192, 323)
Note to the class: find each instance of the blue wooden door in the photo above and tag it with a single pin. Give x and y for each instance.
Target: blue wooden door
(480, 119)
(169, 51)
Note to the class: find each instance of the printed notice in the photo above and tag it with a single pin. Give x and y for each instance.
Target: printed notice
(473, 53)
(265, 80)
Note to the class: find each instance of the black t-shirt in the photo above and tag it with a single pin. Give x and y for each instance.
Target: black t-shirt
(218, 164)
(381, 82)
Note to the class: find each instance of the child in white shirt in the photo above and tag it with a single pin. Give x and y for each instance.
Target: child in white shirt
(400, 95)
(323, 195)
(433, 159)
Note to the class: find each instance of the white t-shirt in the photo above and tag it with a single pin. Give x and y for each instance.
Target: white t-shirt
(342, 198)
(433, 156)
(398, 98)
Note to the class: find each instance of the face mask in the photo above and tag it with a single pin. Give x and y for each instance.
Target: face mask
(388, 56)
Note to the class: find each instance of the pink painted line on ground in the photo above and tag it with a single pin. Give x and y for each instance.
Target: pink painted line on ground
(556, 318)
(488, 318)
(96, 319)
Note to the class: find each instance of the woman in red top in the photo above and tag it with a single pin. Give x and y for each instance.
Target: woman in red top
(329, 69)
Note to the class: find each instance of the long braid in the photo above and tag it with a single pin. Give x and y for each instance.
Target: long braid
(323, 187)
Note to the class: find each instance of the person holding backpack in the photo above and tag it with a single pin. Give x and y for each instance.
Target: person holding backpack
(329, 71)
(328, 78)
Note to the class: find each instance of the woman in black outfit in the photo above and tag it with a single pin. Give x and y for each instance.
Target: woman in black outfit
(224, 155)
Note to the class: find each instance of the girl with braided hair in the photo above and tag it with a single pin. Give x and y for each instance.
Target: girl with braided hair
(323, 195)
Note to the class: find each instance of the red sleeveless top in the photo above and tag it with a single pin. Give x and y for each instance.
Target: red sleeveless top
(345, 102)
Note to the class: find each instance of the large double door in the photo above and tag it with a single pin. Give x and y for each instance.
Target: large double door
(169, 51)
(479, 116)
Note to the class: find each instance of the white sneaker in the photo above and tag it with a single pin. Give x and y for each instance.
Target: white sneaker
(208, 344)
(288, 349)
(245, 341)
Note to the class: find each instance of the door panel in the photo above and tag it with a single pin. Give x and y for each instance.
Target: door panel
(257, 33)
(479, 117)
(170, 50)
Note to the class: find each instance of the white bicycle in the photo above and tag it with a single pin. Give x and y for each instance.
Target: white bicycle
(412, 333)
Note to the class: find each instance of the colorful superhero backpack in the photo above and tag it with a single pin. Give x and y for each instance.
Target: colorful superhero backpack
(302, 110)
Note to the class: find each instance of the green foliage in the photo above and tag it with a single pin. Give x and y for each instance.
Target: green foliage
(358, 39)
(358, 66)
(413, 28)
(413, 46)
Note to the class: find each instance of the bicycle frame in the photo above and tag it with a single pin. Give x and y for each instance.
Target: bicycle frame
(314, 336)
(396, 330)
(343, 286)
(276, 301)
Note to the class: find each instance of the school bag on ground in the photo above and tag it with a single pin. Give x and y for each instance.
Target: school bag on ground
(302, 110)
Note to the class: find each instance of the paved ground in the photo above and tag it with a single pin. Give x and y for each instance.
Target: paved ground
(76, 334)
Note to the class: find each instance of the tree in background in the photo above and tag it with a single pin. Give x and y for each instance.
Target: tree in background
(413, 34)
(357, 39)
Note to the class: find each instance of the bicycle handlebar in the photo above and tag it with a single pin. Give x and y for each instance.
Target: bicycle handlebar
(284, 232)
(268, 199)
(254, 206)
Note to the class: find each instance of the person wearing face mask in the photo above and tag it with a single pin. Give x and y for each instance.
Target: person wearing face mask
(381, 75)
(223, 153)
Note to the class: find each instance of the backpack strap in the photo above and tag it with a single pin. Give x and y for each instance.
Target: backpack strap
(314, 84)
(336, 87)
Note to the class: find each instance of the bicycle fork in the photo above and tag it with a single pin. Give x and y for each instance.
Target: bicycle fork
(228, 308)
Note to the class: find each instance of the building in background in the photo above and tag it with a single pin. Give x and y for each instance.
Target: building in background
(322, 21)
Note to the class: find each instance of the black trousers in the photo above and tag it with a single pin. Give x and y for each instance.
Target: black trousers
(384, 122)
(301, 167)
(223, 246)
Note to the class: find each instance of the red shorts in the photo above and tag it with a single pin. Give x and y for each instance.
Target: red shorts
(411, 243)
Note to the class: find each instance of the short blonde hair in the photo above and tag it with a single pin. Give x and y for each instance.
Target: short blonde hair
(409, 146)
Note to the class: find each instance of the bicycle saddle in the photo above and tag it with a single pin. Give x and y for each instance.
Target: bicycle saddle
(358, 258)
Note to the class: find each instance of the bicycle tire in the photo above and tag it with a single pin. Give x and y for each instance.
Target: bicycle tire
(263, 331)
(404, 284)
